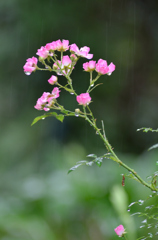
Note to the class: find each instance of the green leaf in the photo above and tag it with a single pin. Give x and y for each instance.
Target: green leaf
(60, 117)
(89, 163)
(152, 147)
(99, 161)
(92, 155)
(80, 163)
(147, 129)
(65, 111)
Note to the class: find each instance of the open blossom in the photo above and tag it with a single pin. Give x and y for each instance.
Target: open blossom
(82, 52)
(62, 45)
(83, 99)
(55, 92)
(52, 80)
(51, 46)
(46, 100)
(103, 68)
(120, 230)
(65, 65)
(30, 65)
(66, 61)
(41, 102)
(89, 66)
(43, 52)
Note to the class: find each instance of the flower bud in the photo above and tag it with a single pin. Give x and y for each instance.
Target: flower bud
(77, 110)
(55, 66)
(52, 80)
(73, 57)
(120, 231)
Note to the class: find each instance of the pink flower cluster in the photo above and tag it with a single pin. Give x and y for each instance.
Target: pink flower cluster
(48, 50)
(63, 67)
(101, 67)
(47, 100)
(120, 230)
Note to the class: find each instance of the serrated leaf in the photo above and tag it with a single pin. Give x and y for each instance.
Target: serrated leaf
(60, 117)
(152, 147)
(92, 155)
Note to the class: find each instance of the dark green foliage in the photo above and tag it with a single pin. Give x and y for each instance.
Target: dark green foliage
(60, 117)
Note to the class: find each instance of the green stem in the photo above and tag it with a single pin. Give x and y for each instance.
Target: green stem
(114, 156)
(124, 237)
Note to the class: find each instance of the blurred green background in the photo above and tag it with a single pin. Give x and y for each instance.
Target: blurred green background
(38, 200)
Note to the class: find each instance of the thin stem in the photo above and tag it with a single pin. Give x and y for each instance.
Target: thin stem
(114, 156)
(103, 129)
(124, 237)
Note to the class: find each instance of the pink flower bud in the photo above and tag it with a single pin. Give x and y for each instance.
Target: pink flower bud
(52, 80)
(73, 57)
(120, 230)
(83, 99)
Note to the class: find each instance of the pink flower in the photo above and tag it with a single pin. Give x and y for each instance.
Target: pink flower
(52, 80)
(47, 100)
(83, 99)
(62, 46)
(65, 65)
(51, 46)
(43, 52)
(30, 65)
(89, 66)
(111, 68)
(82, 52)
(120, 230)
(41, 102)
(55, 92)
(103, 68)
(66, 61)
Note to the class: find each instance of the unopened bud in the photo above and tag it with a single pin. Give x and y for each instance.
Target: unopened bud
(73, 57)
(77, 111)
(55, 66)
